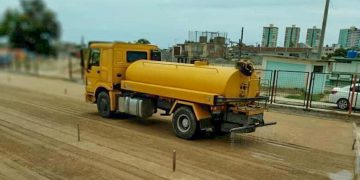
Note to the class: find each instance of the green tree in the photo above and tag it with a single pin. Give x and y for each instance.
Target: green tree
(33, 27)
(341, 52)
(143, 41)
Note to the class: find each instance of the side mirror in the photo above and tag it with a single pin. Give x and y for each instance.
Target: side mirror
(88, 68)
(155, 55)
(85, 56)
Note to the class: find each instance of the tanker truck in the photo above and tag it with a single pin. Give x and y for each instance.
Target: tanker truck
(130, 78)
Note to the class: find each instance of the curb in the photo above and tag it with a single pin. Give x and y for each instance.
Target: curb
(320, 113)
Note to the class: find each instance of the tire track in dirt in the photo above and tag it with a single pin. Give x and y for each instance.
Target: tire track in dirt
(102, 141)
(75, 112)
(71, 132)
(10, 169)
(57, 109)
(24, 137)
(149, 167)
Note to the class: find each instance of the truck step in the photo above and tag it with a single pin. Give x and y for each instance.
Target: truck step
(165, 114)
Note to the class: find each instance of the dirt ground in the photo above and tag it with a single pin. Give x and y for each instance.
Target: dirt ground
(38, 140)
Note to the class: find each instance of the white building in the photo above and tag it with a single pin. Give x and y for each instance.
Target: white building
(349, 38)
(270, 36)
(292, 36)
(313, 37)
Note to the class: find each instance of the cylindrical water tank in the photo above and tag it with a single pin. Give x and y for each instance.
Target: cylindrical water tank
(225, 81)
(352, 54)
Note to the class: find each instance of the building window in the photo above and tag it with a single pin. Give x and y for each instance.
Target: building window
(294, 55)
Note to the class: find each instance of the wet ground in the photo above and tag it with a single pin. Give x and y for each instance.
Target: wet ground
(38, 120)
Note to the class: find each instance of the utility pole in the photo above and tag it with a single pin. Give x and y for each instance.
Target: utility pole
(323, 29)
(241, 42)
(82, 42)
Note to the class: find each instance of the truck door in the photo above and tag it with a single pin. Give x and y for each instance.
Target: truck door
(93, 70)
(106, 61)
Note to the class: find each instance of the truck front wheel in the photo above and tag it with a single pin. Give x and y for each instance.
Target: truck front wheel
(184, 123)
(103, 104)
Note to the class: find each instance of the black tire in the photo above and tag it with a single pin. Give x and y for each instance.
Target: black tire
(184, 123)
(103, 104)
(343, 104)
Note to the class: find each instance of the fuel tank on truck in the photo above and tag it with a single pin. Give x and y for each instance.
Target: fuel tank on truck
(224, 81)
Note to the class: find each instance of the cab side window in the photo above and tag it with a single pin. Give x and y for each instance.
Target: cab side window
(132, 56)
(94, 57)
(155, 56)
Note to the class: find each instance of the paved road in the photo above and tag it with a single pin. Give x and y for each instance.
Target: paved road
(39, 141)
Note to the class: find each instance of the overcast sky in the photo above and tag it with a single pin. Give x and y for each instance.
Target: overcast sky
(165, 22)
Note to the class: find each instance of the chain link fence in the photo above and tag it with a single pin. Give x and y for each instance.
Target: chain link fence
(63, 67)
(290, 87)
(330, 91)
(312, 90)
(357, 94)
(266, 81)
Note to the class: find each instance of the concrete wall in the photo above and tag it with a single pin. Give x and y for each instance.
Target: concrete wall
(353, 67)
(289, 79)
(299, 79)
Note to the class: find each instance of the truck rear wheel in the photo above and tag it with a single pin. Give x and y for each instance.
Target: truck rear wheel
(184, 123)
(103, 104)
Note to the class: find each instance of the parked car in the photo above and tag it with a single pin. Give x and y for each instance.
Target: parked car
(341, 96)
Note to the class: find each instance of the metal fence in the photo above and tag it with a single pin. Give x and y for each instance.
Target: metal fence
(290, 87)
(266, 81)
(328, 90)
(338, 92)
(64, 68)
(357, 94)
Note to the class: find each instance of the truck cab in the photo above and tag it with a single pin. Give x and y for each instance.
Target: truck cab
(105, 64)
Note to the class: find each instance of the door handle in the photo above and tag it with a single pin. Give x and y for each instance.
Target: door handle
(98, 72)
(118, 75)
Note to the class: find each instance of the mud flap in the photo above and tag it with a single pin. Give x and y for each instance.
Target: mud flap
(206, 124)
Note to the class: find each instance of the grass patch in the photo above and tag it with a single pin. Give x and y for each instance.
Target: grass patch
(315, 97)
(293, 96)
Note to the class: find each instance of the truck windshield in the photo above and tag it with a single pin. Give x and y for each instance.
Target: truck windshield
(132, 56)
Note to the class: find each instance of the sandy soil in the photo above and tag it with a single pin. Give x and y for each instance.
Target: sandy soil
(38, 119)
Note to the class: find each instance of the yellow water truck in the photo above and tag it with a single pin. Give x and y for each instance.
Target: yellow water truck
(131, 79)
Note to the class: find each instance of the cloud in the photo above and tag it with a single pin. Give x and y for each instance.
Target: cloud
(166, 21)
(234, 4)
